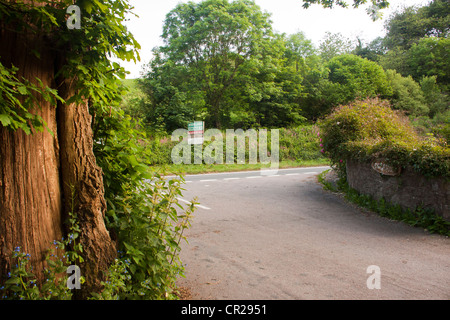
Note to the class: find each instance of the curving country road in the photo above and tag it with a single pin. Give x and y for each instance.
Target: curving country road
(282, 237)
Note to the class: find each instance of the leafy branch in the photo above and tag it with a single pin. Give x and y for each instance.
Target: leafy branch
(18, 99)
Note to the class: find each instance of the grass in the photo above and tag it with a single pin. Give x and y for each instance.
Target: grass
(216, 168)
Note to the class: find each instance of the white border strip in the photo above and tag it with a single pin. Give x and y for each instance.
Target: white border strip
(253, 171)
(197, 205)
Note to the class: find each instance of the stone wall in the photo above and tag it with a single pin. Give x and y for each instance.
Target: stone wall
(400, 186)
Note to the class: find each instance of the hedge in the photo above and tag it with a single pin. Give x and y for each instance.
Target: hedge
(370, 129)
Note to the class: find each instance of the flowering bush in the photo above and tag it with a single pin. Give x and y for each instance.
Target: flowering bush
(370, 129)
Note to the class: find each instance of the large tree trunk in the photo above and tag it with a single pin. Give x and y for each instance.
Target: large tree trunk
(38, 172)
(81, 174)
(30, 192)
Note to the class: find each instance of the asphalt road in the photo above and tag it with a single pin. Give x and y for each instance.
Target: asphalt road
(282, 237)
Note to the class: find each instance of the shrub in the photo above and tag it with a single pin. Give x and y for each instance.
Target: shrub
(407, 94)
(370, 129)
(143, 212)
(296, 143)
(357, 78)
(300, 143)
(144, 216)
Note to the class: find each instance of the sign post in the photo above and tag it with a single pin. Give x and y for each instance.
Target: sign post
(196, 130)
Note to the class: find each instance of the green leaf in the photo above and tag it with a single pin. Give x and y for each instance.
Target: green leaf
(87, 6)
(5, 120)
(14, 280)
(83, 69)
(132, 160)
(22, 90)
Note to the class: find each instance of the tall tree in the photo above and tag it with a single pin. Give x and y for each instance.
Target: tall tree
(45, 174)
(343, 79)
(273, 87)
(409, 25)
(299, 48)
(429, 57)
(406, 95)
(210, 42)
(357, 78)
(334, 44)
(417, 39)
(371, 51)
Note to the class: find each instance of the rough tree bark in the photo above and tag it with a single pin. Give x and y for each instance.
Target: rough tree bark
(38, 171)
(79, 172)
(30, 192)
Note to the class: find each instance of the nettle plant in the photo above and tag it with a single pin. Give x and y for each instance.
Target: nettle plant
(143, 213)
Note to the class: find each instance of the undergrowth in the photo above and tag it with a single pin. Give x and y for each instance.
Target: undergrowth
(419, 217)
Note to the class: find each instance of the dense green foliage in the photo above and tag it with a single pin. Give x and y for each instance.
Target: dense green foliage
(274, 80)
(407, 26)
(426, 57)
(356, 77)
(296, 144)
(222, 63)
(142, 208)
(143, 213)
(407, 95)
(369, 130)
(16, 113)
(86, 51)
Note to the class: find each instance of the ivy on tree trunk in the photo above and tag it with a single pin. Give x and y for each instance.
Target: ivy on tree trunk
(39, 169)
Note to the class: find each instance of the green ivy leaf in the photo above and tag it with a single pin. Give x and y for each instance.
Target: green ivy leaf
(5, 120)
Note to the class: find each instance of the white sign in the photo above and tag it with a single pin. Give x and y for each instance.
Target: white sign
(382, 167)
(196, 130)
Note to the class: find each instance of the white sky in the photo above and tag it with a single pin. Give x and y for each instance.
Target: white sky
(288, 16)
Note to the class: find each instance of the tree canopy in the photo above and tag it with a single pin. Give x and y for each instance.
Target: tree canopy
(408, 26)
(222, 62)
(219, 55)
